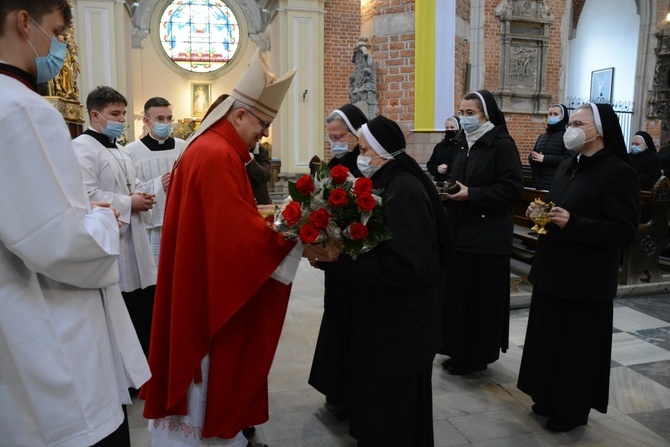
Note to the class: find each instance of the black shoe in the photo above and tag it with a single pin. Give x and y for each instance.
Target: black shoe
(248, 432)
(256, 444)
(465, 368)
(563, 423)
(542, 410)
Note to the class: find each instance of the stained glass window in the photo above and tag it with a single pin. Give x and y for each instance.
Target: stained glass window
(199, 35)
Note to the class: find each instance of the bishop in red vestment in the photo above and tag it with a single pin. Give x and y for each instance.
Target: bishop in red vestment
(215, 295)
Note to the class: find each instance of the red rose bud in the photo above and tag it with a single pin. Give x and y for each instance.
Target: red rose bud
(366, 202)
(305, 184)
(363, 185)
(320, 218)
(338, 197)
(358, 231)
(309, 234)
(292, 213)
(339, 174)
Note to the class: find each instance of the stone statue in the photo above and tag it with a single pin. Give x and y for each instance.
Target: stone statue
(363, 83)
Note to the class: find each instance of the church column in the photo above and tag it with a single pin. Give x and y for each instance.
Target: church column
(296, 28)
(104, 31)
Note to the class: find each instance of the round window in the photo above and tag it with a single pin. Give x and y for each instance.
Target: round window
(200, 36)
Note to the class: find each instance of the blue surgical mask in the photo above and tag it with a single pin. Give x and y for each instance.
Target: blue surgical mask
(553, 120)
(470, 123)
(635, 150)
(363, 164)
(114, 129)
(50, 65)
(339, 148)
(162, 130)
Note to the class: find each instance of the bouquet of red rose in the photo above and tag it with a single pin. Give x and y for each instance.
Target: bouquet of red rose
(336, 209)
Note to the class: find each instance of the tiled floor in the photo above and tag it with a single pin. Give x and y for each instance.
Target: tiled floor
(484, 409)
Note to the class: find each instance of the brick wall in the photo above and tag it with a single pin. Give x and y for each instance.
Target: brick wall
(342, 28)
(394, 55)
(525, 128)
(395, 59)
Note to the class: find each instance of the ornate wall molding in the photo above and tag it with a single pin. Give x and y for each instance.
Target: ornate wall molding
(524, 46)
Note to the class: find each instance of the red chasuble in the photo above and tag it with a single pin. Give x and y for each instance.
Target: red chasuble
(214, 293)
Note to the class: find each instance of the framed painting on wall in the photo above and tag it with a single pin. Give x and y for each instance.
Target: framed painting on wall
(201, 98)
(601, 85)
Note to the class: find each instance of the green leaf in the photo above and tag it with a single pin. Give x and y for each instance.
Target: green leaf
(352, 248)
(378, 232)
(323, 171)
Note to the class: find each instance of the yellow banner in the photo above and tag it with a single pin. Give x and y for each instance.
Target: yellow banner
(435, 31)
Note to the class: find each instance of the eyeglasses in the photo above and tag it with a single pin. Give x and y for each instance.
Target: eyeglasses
(264, 124)
(468, 113)
(335, 138)
(579, 123)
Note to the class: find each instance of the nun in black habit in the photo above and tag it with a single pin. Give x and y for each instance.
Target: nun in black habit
(329, 366)
(565, 366)
(397, 298)
(549, 150)
(439, 163)
(342, 130)
(487, 170)
(645, 160)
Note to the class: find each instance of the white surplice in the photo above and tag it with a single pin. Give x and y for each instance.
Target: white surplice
(107, 173)
(68, 351)
(150, 167)
(186, 431)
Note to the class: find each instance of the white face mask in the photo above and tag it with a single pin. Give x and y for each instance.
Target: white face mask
(575, 138)
(363, 164)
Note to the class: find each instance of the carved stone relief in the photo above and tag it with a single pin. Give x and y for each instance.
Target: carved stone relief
(660, 102)
(523, 55)
(523, 70)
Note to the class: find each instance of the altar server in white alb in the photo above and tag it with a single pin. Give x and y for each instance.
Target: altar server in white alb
(68, 352)
(109, 176)
(154, 154)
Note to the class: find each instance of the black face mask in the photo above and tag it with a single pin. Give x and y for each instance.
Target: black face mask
(450, 134)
